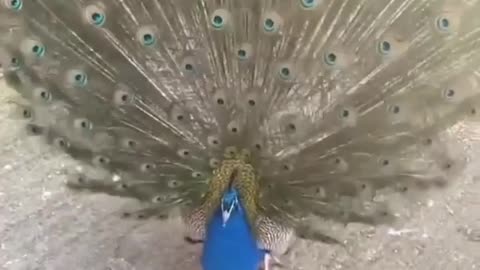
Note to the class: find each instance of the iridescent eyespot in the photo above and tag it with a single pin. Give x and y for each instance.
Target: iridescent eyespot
(42, 94)
(219, 98)
(98, 19)
(395, 109)
(244, 51)
(148, 39)
(32, 48)
(271, 22)
(220, 19)
(214, 163)
(348, 116)
(230, 152)
(26, 113)
(269, 25)
(159, 198)
(385, 162)
(174, 183)
(14, 5)
(449, 93)
(14, 64)
(82, 123)
(95, 15)
(100, 160)
(38, 50)
(129, 143)
(309, 4)
(285, 72)
(147, 167)
(178, 113)
(76, 78)
(233, 127)
(14, 61)
(330, 59)
(61, 143)
(197, 174)
(217, 21)
(241, 53)
(183, 153)
(80, 78)
(122, 97)
(252, 99)
(287, 167)
(146, 36)
(384, 47)
(443, 24)
(188, 65)
(213, 140)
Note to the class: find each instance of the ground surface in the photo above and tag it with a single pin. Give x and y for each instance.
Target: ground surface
(45, 226)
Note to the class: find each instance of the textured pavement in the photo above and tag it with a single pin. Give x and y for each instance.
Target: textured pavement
(43, 225)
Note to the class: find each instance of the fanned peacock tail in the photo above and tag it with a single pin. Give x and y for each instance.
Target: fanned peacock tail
(310, 108)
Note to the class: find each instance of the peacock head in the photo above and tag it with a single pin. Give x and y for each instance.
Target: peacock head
(230, 203)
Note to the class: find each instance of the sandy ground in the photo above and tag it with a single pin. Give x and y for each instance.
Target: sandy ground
(45, 226)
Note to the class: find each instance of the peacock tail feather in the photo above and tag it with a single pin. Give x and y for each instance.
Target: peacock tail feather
(310, 109)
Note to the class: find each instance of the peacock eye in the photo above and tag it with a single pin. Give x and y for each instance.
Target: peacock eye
(384, 47)
(82, 124)
(32, 48)
(242, 54)
(285, 72)
(309, 4)
(146, 36)
(14, 62)
(443, 24)
(14, 5)
(330, 59)
(271, 23)
(217, 21)
(244, 51)
(98, 18)
(77, 78)
(38, 50)
(148, 39)
(95, 15)
(220, 19)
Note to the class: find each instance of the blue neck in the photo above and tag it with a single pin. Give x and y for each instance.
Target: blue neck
(231, 244)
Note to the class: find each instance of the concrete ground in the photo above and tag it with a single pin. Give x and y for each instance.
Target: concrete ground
(45, 226)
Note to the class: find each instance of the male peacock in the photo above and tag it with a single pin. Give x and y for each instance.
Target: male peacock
(250, 117)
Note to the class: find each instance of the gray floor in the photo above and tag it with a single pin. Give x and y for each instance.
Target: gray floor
(45, 226)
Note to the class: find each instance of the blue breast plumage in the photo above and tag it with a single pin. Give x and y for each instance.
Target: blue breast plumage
(230, 242)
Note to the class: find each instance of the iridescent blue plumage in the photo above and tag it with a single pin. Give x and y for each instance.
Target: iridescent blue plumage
(230, 242)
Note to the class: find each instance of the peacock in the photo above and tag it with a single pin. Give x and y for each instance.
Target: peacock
(250, 120)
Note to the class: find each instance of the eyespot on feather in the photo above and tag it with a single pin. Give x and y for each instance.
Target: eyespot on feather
(146, 36)
(221, 19)
(95, 15)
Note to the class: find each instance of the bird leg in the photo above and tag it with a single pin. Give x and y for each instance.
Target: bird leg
(267, 261)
